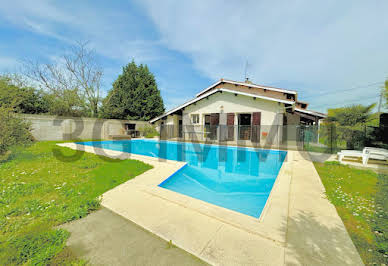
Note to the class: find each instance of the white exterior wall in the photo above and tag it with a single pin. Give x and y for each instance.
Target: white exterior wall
(172, 122)
(229, 103)
(271, 112)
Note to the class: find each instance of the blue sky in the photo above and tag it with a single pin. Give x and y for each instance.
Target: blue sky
(331, 52)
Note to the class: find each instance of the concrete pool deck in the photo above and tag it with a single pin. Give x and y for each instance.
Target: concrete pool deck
(298, 226)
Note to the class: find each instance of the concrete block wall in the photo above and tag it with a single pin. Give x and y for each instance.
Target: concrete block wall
(46, 127)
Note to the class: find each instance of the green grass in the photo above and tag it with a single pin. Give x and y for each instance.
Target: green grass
(39, 192)
(360, 197)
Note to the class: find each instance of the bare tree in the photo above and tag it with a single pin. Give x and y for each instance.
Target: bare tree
(76, 70)
(86, 73)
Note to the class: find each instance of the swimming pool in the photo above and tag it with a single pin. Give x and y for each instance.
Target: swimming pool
(236, 178)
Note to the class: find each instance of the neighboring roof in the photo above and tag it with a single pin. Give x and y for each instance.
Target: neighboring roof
(215, 91)
(247, 85)
(314, 113)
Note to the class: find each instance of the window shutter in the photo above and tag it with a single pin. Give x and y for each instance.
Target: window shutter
(230, 119)
(214, 119)
(230, 126)
(256, 122)
(256, 118)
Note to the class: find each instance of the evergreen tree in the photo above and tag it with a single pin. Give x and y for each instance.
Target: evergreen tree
(135, 95)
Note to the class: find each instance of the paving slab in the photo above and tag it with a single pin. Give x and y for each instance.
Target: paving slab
(105, 238)
(242, 248)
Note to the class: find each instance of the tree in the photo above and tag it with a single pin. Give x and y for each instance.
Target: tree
(81, 63)
(22, 99)
(351, 115)
(74, 81)
(135, 95)
(69, 104)
(350, 122)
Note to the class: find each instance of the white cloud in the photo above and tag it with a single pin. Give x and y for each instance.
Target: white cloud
(308, 45)
(305, 45)
(112, 32)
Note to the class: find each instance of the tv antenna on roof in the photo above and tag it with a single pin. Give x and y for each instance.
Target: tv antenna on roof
(246, 70)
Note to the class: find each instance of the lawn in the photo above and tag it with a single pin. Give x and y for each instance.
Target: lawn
(39, 192)
(361, 199)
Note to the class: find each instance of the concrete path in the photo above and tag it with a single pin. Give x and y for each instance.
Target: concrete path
(105, 238)
(316, 234)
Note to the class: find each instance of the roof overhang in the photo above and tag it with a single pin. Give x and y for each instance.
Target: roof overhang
(258, 96)
(311, 113)
(247, 85)
(216, 91)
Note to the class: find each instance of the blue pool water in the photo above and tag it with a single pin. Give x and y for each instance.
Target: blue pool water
(235, 178)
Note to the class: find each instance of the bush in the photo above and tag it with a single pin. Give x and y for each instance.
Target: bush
(13, 130)
(149, 131)
(23, 99)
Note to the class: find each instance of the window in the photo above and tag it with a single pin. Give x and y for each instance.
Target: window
(244, 126)
(195, 119)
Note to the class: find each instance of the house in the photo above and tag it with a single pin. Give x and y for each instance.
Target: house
(235, 112)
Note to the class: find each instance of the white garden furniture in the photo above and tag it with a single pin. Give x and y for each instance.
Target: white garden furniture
(366, 154)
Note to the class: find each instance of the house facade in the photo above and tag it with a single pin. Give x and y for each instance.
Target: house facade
(236, 112)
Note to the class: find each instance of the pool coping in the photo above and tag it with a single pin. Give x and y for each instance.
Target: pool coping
(271, 224)
(210, 144)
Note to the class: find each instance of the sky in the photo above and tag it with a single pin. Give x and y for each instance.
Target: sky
(333, 53)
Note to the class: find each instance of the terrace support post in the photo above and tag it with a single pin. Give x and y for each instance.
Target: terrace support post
(236, 131)
(236, 136)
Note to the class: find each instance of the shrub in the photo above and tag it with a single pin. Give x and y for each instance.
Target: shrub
(14, 130)
(149, 131)
(25, 100)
